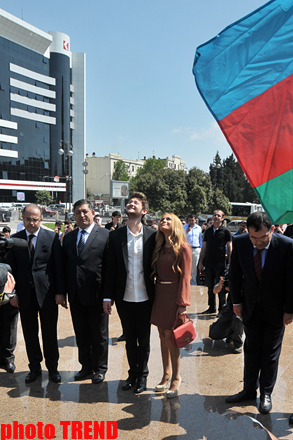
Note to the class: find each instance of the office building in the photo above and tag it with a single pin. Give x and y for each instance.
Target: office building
(42, 108)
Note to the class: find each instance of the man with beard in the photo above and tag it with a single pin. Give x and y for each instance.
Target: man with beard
(128, 283)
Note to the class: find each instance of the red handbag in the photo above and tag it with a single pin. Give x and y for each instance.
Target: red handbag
(184, 334)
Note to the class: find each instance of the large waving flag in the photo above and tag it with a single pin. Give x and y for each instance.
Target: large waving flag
(245, 76)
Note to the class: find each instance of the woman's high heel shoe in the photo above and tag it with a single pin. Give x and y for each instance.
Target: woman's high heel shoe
(162, 388)
(171, 394)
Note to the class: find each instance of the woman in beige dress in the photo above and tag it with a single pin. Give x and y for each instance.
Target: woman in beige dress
(171, 267)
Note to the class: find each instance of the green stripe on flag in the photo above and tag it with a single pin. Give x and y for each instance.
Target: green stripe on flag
(276, 197)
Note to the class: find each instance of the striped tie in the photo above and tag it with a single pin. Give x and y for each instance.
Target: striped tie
(81, 242)
(258, 264)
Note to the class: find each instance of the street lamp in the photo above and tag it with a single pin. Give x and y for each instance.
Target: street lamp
(66, 150)
(106, 174)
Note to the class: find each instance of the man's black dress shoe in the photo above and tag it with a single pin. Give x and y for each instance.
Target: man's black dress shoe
(291, 419)
(140, 385)
(32, 376)
(241, 397)
(55, 376)
(129, 383)
(265, 404)
(209, 310)
(82, 374)
(10, 367)
(121, 338)
(98, 377)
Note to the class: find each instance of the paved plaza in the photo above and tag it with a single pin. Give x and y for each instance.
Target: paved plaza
(210, 371)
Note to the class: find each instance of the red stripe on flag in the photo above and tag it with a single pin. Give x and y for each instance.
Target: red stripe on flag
(260, 133)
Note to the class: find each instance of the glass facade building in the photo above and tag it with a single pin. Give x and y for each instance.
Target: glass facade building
(40, 81)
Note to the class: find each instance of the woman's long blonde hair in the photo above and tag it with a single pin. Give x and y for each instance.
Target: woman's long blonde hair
(176, 239)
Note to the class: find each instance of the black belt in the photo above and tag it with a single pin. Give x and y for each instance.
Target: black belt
(195, 247)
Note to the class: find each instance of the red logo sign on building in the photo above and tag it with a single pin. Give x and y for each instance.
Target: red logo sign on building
(65, 45)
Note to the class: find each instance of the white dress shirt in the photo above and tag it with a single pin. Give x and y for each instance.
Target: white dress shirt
(135, 290)
(194, 236)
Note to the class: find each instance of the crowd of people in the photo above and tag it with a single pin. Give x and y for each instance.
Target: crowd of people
(250, 273)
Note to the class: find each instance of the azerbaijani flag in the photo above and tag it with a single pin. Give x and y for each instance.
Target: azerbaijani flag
(245, 76)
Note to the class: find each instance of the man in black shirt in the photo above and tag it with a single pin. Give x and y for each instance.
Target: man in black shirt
(213, 252)
(115, 223)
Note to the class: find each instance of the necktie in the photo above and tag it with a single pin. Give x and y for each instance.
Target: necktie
(81, 242)
(31, 246)
(258, 264)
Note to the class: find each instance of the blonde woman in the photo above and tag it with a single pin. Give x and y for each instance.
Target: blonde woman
(171, 264)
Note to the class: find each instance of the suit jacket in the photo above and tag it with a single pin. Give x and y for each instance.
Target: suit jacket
(275, 289)
(84, 272)
(117, 263)
(45, 272)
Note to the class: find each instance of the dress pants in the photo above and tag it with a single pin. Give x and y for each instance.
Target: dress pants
(213, 273)
(30, 326)
(262, 348)
(8, 332)
(228, 325)
(91, 331)
(195, 260)
(135, 319)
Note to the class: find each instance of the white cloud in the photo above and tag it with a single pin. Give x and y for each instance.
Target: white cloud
(180, 130)
(212, 132)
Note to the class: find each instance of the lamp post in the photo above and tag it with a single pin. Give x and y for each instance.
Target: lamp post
(66, 150)
(106, 174)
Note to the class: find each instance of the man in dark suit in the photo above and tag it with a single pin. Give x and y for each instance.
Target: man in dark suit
(128, 283)
(261, 285)
(39, 280)
(84, 252)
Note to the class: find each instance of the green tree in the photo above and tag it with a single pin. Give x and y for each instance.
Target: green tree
(152, 165)
(43, 197)
(154, 187)
(216, 172)
(219, 201)
(200, 191)
(120, 171)
(228, 176)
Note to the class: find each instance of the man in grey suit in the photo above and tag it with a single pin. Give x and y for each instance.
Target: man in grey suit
(84, 252)
(38, 273)
(129, 284)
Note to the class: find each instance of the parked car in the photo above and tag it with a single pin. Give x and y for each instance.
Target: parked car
(70, 216)
(6, 207)
(151, 220)
(58, 207)
(48, 212)
(233, 226)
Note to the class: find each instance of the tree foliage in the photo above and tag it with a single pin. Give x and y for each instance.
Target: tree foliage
(43, 197)
(196, 191)
(227, 175)
(152, 165)
(120, 171)
(169, 190)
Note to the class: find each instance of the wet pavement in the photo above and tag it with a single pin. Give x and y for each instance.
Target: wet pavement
(210, 371)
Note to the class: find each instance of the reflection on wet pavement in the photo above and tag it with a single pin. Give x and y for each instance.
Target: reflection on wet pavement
(209, 369)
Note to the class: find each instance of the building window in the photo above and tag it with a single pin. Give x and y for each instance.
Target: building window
(132, 167)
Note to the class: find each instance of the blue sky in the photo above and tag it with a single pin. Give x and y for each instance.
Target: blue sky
(141, 95)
